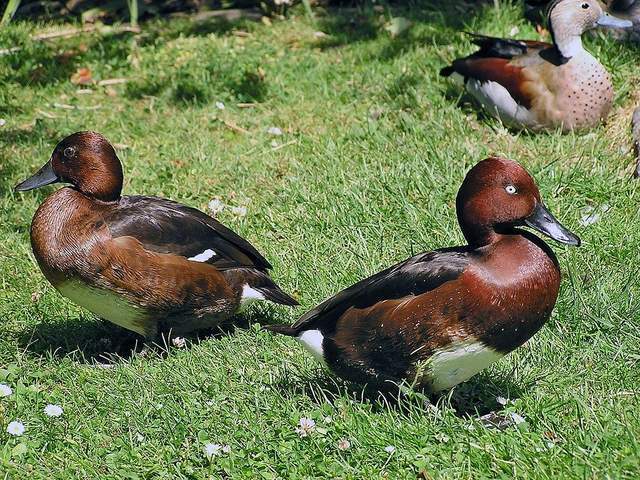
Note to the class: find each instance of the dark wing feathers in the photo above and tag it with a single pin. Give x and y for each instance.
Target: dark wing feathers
(165, 226)
(417, 275)
(498, 47)
(505, 47)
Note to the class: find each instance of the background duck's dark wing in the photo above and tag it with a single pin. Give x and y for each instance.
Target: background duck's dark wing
(164, 226)
(504, 47)
(414, 276)
(492, 61)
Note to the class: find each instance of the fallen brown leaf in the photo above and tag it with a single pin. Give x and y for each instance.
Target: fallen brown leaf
(82, 77)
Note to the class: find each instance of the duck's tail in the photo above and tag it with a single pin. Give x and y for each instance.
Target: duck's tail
(275, 294)
(282, 329)
(447, 71)
(256, 285)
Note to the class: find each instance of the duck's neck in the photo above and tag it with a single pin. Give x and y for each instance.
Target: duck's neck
(570, 47)
(478, 237)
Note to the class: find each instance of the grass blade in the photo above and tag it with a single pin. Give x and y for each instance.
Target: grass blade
(133, 12)
(10, 11)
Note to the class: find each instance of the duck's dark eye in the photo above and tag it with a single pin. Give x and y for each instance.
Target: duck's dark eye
(585, 5)
(70, 152)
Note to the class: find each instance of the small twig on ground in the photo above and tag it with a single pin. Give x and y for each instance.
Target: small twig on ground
(46, 114)
(112, 81)
(66, 106)
(234, 126)
(72, 32)
(230, 15)
(247, 105)
(292, 142)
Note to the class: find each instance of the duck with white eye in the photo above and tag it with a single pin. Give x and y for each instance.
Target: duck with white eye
(543, 86)
(440, 317)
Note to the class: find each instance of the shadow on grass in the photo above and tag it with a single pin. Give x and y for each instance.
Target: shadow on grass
(89, 341)
(473, 398)
(346, 26)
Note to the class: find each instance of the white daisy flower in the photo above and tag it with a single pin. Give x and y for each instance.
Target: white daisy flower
(389, 449)
(215, 449)
(306, 427)
(216, 206)
(212, 450)
(5, 390)
(53, 410)
(179, 342)
(239, 211)
(501, 400)
(3, 122)
(516, 419)
(343, 444)
(220, 105)
(274, 131)
(15, 428)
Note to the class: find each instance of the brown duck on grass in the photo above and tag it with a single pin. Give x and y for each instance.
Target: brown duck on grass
(144, 263)
(439, 318)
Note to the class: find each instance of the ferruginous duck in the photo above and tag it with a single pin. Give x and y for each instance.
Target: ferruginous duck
(438, 318)
(537, 85)
(144, 263)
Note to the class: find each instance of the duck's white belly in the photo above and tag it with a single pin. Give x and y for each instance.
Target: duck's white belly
(105, 304)
(458, 363)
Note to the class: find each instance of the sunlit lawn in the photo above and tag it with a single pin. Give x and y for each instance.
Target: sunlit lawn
(373, 148)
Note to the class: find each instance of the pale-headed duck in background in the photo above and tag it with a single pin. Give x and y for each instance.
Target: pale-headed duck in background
(537, 85)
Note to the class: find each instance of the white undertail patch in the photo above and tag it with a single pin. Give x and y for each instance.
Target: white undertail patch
(312, 341)
(459, 362)
(204, 256)
(250, 294)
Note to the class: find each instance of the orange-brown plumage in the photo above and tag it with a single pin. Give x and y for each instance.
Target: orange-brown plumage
(142, 262)
(439, 317)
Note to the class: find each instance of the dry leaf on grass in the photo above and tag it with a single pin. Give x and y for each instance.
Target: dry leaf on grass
(82, 77)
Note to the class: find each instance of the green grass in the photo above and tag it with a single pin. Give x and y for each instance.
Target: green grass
(375, 146)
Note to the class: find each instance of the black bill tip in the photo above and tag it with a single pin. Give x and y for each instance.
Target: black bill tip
(543, 221)
(44, 176)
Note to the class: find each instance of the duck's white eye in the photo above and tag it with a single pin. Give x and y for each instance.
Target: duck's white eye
(70, 152)
(510, 189)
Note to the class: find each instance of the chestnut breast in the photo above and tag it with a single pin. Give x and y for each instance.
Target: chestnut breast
(65, 230)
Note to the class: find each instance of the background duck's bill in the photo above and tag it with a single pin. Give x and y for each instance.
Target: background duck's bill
(607, 20)
(543, 221)
(42, 177)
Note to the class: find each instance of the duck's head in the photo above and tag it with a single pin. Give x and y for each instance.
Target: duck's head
(499, 195)
(569, 19)
(87, 161)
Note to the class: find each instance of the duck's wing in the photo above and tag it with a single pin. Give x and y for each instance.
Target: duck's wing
(494, 47)
(415, 276)
(503, 61)
(164, 226)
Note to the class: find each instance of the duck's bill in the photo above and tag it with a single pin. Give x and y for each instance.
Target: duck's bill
(42, 177)
(543, 221)
(607, 20)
